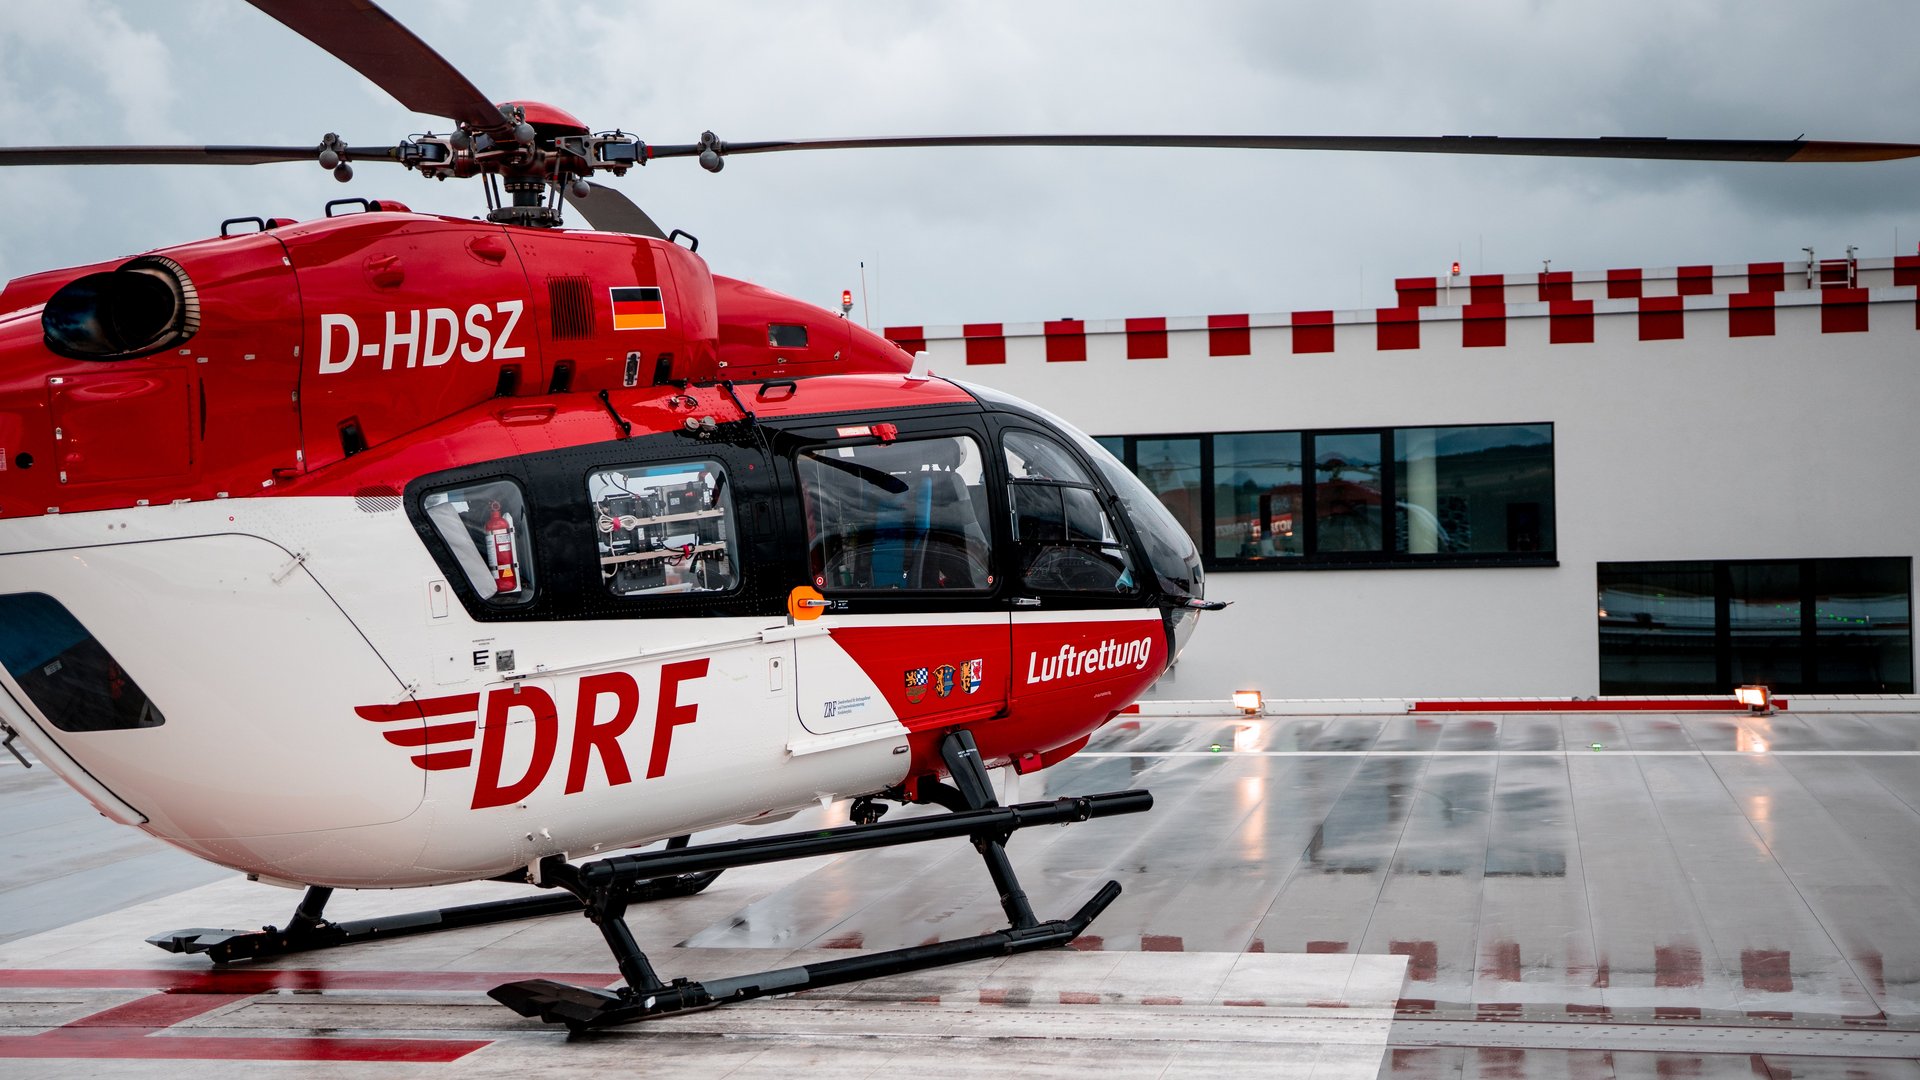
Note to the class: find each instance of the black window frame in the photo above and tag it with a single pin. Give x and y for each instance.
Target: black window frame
(567, 583)
(1383, 558)
(1720, 639)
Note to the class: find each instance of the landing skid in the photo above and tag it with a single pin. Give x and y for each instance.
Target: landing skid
(309, 930)
(605, 888)
(600, 885)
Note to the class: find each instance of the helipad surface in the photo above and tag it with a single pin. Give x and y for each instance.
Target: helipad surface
(1344, 895)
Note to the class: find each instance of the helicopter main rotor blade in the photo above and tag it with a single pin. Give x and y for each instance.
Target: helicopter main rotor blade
(376, 45)
(607, 210)
(173, 155)
(1658, 149)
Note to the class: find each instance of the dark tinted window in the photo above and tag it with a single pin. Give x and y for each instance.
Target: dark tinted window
(1863, 624)
(1805, 625)
(1391, 497)
(67, 674)
(787, 335)
(1257, 497)
(1464, 490)
(1657, 628)
(1347, 490)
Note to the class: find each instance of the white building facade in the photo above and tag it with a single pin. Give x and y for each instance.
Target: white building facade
(1558, 485)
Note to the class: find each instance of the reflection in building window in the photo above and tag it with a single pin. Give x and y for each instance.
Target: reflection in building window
(1380, 496)
(1171, 470)
(1346, 491)
(65, 672)
(1067, 542)
(903, 515)
(485, 526)
(1804, 625)
(1258, 504)
(664, 528)
(1465, 490)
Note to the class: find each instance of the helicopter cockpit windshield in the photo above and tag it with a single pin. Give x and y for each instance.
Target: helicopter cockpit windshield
(1169, 552)
(1168, 548)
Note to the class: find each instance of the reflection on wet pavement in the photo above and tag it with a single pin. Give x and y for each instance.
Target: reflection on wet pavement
(1746, 874)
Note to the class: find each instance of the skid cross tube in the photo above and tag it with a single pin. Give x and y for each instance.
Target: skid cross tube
(599, 886)
(653, 864)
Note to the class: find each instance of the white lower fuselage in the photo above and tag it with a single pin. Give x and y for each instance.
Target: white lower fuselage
(333, 716)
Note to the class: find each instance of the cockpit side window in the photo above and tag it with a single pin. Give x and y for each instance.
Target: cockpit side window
(65, 671)
(1067, 541)
(485, 527)
(907, 515)
(665, 528)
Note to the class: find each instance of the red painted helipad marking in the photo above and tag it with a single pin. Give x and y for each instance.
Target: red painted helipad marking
(261, 980)
(134, 1030)
(131, 1045)
(1598, 705)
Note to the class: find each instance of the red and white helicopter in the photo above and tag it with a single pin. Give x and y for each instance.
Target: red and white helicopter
(593, 546)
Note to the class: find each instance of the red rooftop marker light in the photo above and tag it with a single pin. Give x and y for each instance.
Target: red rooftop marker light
(1456, 268)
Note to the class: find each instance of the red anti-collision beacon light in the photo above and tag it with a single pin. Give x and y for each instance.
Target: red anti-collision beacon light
(846, 301)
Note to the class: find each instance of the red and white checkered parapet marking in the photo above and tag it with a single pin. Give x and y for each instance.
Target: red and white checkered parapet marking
(1482, 308)
(1635, 282)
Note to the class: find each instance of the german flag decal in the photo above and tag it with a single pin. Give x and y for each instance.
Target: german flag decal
(638, 307)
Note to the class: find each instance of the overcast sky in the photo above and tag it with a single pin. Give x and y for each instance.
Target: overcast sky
(951, 236)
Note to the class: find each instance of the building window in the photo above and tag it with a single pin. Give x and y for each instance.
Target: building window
(1172, 470)
(1461, 495)
(1842, 626)
(484, 526)
(1257, 498)
(664, 528)
(1347, 491)
(1473, 490)
(908, 515)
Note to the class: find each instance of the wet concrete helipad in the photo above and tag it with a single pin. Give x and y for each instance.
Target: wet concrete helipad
(1515, 895)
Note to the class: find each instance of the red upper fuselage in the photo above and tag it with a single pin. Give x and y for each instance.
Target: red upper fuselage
(300, 345)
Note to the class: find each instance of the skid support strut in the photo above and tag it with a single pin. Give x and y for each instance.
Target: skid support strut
(977, 817)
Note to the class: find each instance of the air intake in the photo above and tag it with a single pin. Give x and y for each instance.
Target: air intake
(569, 308)
(145, 306)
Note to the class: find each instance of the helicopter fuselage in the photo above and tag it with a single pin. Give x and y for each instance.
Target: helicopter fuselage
(402, 550)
